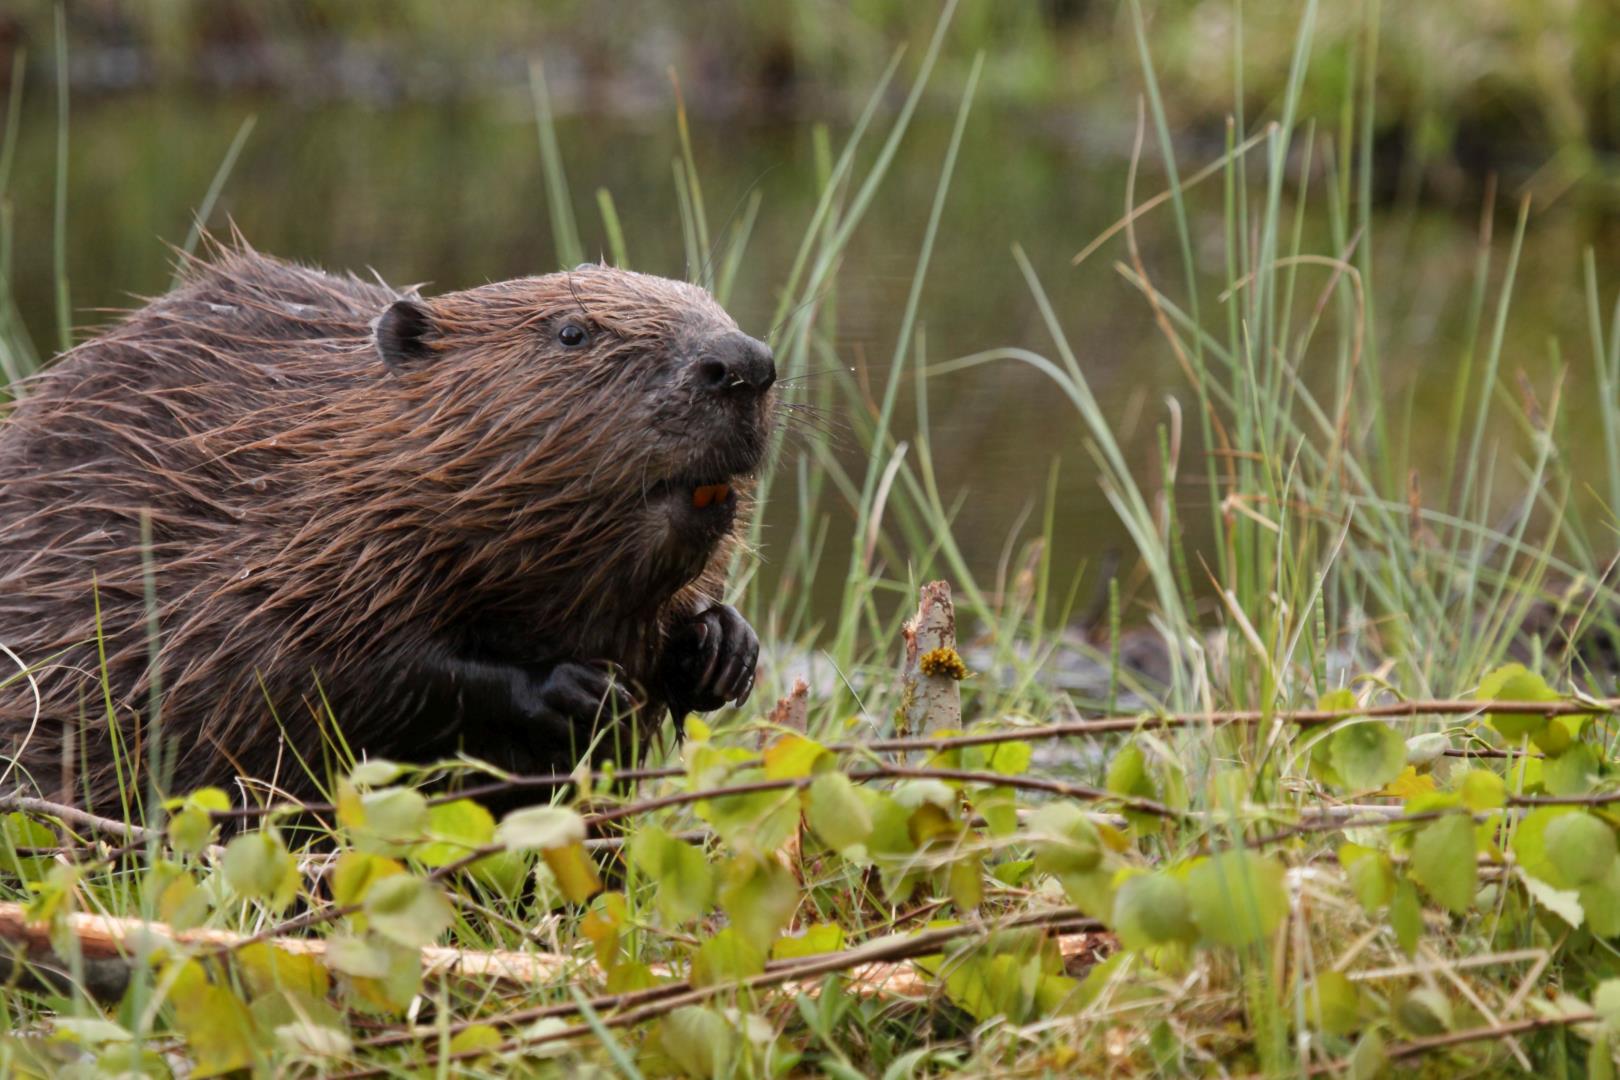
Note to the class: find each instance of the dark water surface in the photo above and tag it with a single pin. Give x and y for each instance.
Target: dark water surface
(452, 195)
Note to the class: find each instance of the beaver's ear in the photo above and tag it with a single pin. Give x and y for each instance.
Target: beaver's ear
(404, 334)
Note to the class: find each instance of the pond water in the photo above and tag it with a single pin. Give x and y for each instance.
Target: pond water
(452, 194)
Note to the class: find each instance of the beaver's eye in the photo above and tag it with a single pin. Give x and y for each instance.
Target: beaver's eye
(572, 335)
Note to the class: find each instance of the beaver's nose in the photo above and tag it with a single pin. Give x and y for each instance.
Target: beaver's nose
(737, 364)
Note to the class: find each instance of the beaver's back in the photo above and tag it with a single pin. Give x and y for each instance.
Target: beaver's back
(160, 443)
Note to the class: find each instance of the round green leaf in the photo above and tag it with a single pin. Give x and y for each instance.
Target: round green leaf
(1444, 863)
(1367, 754)
(455, 829)
(699, 1041)
(1530, 845)
(1152, 909)
(376, 772)
(1514, 682)
(1575, 771)
(836, 813)
(257, 865)
(1424, 1011)
(1483, 790)
(540, 827)
(759, 896)
(1333, 1004)
(408, 910)
(1606, 1003)
(685, 883)
(1237, 897)
(1066, 842)
(1581, 847)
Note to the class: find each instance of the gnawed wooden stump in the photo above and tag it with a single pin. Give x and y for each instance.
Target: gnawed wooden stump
(930, 699)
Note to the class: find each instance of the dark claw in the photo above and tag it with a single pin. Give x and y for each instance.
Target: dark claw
(710, 659)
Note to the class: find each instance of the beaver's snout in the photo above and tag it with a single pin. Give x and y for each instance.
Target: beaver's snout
(736, 365)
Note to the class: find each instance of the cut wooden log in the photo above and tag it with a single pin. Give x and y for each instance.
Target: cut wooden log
(930, 698)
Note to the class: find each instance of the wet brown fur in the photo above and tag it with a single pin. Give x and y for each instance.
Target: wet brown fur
(314, 517)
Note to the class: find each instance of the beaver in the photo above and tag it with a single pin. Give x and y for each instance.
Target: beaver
(282, 516)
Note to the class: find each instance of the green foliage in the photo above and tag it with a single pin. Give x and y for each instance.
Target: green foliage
(1261, 879)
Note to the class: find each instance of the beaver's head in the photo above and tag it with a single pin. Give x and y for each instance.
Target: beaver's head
(594, 414)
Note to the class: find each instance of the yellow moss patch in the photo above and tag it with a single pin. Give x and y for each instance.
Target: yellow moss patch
(944, 661)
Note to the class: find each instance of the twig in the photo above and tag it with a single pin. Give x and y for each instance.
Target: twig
(107, 937)
(72, 815)
(670, 998)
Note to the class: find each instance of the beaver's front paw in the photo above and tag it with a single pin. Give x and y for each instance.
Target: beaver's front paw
(709, 660)
(569, 702)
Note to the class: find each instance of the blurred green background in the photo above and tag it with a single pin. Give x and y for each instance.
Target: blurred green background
(400, 136)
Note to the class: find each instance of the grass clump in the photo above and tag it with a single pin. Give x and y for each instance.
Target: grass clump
(1342, 800)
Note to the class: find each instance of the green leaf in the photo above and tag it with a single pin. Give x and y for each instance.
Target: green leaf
(266, 968)
(700, 1041)
(1426, 749)
(1065, 840)
(1367, 755)
(1513, 682)
(454, 829)
(685, 882)
(758, 823)
(18, 830)
(836, 813)
(305, 1039)
(191, 825)
(813, 940)
(1006, 758)
(1482, 790)
(540, 828)
(1153, 909)
(358, 957)
(1237, 897)
(217, 1027)
(792, 756)
(999, 808)
(392, 816)
(382, 976)
(1444, 862)
(258, 866)
(1371, 873)
(89, 1030)
(1128, 776)
(726, 957)
(376, 773)
(476, 1037)
(1606, 1003)
(1406, 916)
(1368, 1060)
(1601, 901)
(1530, 845)
(1424, 1011)
(1333, 1003)
(988, 986)
(1581, 847)
(1576, 771)
(183, 904)
(964, 880)
(759, 896)
(408, 910)
(1091, 891)
(576, 874)
(190, 829)
(1565, 903)
(1340, 700)
(355, 872)
(1600, 1060)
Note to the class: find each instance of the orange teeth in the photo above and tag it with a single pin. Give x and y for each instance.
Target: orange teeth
(706, 494)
